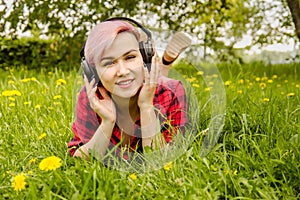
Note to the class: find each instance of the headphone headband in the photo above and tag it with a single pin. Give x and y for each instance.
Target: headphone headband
(148, 33)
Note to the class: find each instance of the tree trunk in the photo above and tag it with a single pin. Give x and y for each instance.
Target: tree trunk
(295, 11)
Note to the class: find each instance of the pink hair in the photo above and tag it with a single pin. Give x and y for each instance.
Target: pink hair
(102, 36)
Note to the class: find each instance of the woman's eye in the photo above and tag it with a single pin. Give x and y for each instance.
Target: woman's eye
(130, 57)
(108, 63)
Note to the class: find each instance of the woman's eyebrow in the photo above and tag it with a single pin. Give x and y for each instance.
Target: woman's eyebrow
(112, 58)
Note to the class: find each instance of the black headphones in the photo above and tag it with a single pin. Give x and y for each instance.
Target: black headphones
(146, 49)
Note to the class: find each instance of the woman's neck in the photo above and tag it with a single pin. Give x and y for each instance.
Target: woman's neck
(127, 107)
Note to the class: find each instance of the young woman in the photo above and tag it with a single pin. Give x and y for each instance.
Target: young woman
(132, 107)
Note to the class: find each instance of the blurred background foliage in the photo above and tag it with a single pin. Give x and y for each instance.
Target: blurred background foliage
(55, 29)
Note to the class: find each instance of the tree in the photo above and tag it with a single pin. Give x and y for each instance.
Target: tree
(295, 12)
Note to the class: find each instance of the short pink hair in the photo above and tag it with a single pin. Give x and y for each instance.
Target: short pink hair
(102, 36)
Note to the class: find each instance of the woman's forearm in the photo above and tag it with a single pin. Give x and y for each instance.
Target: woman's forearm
(151, 136)
(98, 144)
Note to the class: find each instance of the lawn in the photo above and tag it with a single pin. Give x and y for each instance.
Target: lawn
(256, 155)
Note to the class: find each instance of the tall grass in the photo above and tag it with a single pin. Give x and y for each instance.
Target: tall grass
(256, 157)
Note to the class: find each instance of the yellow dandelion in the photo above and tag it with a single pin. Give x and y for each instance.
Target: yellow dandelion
(264, 78)
(133, 176)
(262, 85)
(33, 79)
(200, 73)
(291, 94)
(214, 76)
(12, 99)
(30, 172)
(250, 84)
(11, 82)
(12, 105)
(57, 97)
(235, 172)
(37, 106)
(207, 89)
(50, 163)
(61, 81)
(211, 83)
(42, 136)
(196, 85)
(274, 76)
(57, 103)
(297, 86)
(286, 81)
(193, 79)
(27, 102)
(50, 108)
(278, 85)
(25, 80)
(32, 161)
(50, 73)
(18, 182)
(241, 81)
(227, 83)
(226, 172)
(266, 99)
(240, 91)
(168, 166)
(9, 93)
(270, 81)
(257, 79)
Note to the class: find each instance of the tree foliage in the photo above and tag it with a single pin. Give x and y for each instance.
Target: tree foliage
(217, 24)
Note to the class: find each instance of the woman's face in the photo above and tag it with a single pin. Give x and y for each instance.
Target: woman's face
(121, 66)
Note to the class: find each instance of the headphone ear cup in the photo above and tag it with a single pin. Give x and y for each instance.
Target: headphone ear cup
(146, 50)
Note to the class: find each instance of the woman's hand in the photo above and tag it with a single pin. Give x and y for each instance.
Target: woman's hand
(147, 92)
(105, 107)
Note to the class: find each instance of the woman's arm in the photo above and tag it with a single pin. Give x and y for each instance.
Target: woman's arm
(150, 127)
(98, 143)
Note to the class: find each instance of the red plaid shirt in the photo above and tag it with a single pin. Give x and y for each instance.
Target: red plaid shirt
(169, 100)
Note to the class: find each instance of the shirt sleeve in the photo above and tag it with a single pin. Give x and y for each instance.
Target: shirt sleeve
(85, 124)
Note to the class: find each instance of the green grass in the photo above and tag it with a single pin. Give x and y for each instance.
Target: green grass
(256, 157)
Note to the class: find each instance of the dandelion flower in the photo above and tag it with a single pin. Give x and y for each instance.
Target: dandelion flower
(50, 163)
(12, 105)
(291, 94)
(60, 81)
(18, 182)
(25, 80)
(196, 85)
(257, 79)
(12, 99)
(241, 81)
(235, 172)
(133, 176)
(207, 89)
(37, 106)
(240, 91)
(32, 160)
(264, 78)
(262, 85)
(10, 93)
(27, 102)
(200, 73)
(227, 83)
(168, 166)
(266, 99)
(270, 81)
(297, 86)
(42, 136)
(57, 97)
(274, 76)
(11, 82)
(33, 79)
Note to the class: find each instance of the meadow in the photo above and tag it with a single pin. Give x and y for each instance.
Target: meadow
(256, 156)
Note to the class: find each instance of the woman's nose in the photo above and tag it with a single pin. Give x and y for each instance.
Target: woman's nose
(122, 69)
